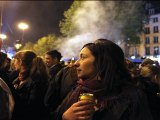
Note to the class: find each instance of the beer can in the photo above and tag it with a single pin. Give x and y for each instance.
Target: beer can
(90, 97)
(87, 96)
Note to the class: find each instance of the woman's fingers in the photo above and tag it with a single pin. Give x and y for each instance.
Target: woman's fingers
(81, 110)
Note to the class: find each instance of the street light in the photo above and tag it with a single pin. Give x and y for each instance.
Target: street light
(3, 36)
(23, 26)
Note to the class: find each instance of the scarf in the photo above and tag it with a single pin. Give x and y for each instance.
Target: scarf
(88, 86)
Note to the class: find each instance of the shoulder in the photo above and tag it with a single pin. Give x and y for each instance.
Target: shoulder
(128, 102)
(129, 94)
(57, 66)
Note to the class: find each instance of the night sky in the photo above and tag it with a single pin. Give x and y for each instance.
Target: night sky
(43, 18)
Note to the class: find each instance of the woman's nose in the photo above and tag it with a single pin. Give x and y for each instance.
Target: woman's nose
(76, 64)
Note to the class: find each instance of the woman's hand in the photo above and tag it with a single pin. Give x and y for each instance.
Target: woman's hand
(81, 110)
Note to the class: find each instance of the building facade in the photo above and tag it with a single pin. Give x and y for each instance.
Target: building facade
(150, 39)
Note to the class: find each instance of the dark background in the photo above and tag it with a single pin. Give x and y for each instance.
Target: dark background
(43, 18)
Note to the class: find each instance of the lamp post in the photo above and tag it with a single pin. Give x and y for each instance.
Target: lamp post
(1, 23)
(23, 26)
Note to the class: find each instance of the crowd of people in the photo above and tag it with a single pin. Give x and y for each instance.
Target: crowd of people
(35, 88)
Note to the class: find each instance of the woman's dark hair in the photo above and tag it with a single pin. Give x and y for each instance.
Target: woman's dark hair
(39, 70)
(109, 63)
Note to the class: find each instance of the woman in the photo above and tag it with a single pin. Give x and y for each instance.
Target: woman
(30, 87)
(101, 71)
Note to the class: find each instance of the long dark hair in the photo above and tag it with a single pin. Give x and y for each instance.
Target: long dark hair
(39, 70)
(109, 63)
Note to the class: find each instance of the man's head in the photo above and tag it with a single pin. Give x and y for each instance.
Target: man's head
(52, 57)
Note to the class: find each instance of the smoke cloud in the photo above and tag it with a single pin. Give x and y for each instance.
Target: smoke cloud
(97, 19)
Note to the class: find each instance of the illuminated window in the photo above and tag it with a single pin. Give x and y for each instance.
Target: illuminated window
(156, 50)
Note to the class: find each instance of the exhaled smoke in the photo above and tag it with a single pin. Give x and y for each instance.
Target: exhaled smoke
(98, 19)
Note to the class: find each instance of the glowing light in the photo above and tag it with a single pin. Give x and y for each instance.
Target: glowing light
(23, 26)
(3, 36)
(133, 57)
(18, 46)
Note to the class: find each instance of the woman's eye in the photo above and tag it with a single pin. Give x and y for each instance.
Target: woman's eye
(83, 57)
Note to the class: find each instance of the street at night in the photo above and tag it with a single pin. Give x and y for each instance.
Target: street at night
(80, 60)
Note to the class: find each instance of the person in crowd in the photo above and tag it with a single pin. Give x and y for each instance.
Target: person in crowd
(6, 101)
(52, 60)
(102, 73)
(8, 64)
(156, 63)
(150, 83)
(147, 61)
(133, 70)
(3, 65)
(15, 68)
(4, 69)
(30, 87)
(70, 62)
(129, 64)
(59, 87)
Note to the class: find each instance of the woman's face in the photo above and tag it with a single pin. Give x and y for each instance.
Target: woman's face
(16, 64)
(85, 64)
